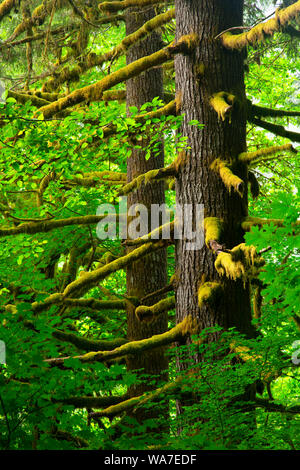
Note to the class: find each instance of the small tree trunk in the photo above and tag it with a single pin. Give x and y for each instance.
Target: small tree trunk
(149, 274)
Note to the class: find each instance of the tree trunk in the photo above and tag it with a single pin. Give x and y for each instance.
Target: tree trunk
(211, 69)
(149, 274)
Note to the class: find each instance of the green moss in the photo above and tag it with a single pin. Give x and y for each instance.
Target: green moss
(209, 293)
(228, 177)
(222, 102)
(261, 31)
(256, 157)
(148, 314)
(242, 262)
(213, 229)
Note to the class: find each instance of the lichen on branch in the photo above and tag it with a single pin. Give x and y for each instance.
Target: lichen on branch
(260, 32)
(148, 314)
(187, 327)
(95, 91)
(259, 155)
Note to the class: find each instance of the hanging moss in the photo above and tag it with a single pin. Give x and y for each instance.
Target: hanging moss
(263, 30)
(242, 262)
(228, 177)
(148, 314)
(222, 103)
(256, 157)
(209, 293)
(213, 229)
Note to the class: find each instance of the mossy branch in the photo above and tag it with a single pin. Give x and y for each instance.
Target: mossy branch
(91, 402)
(145, 178)
(89, 279)
(263, 30)
(178, 333)
(260, 111)
(88, 344)
(242, 262)
(124, 4)
(67, 436)
(38, 17)
(222, 103)
(48, 225)
(95, 91)
(90, 180)
(23, 98)
(230, 180)
(148, 314)
(95, 60)
(167, 230)
(94, 304)
(276, 129)
(5, 7)
(250, 222)
(255, 157)
(136, 402)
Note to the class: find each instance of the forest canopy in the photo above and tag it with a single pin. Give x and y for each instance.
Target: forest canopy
(149, 225)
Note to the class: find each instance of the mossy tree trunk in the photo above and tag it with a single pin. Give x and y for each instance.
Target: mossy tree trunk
(209, 70)
(149, 274)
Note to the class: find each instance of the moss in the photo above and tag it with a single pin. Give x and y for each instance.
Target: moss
(250, 222)
(222, 103)
(145, 178)
(276, 129)
(255, 157)
(213, 229)
(148, 314)
(122, 5)
(228, 177)
(242, 262)
(263, 30)
(187, 327)
(5, 7)
(95, 91)
(209, 293)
